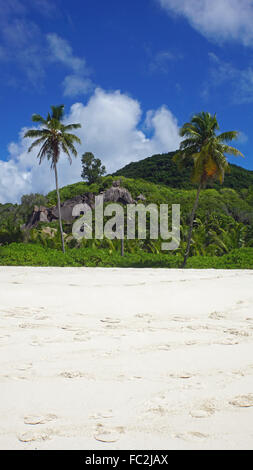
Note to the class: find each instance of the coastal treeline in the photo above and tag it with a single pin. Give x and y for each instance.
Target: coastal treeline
(216, 213)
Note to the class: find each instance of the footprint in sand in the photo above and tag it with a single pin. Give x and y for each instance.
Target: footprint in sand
(146, 316)
(200, 414)
(163, 347)
(234, 332)
(70, 328)
(216, 316)
(190, 343)
(35, 342)
(242, 401)
(4, 339)
(191, 436)
(40, 316)
(179, 318)
(106, 434)
(228, 341)
(28, 325)
(25, 366)
(35, 419)
(31, 436)
(81, 336)
(103, 414)
(182, 375)
(110, 320)
(205, 410)
(73, 374)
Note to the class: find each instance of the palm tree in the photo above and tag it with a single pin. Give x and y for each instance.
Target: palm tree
(207, 151)
(54, 138)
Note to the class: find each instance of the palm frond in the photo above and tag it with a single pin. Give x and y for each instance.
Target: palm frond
(57, 112)
(66, 151)
(72, 138)
(231, 151)
(33, 133)
(36, 143)
(38, 118)
(69, 127)
(227, 136)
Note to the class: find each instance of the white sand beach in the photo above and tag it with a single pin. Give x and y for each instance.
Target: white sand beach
(125, 359)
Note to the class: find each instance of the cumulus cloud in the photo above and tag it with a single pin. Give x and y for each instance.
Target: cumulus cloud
(112, 128)
(218, 20)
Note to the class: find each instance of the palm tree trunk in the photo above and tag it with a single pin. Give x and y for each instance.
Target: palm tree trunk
(191, 226)
(59, 207)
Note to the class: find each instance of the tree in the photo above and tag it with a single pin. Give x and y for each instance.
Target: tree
(54, 138)
(207, 151)
(92, 168)
(28, 201)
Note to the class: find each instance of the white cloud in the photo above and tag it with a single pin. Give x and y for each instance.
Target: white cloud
(242, 138)
(62, 52)
(74, 85)
(78, 82)
(161, 60)
(239, 82)
(22, 41)
(111, 123)
(23, 44)
(218, 20)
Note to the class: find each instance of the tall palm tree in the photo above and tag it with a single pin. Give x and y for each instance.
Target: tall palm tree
(54, 138)
(207, 150)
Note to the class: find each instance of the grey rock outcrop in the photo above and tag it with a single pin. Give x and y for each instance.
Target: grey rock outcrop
(141, 198)
(48, 214)
(118, 194)
(68, 205)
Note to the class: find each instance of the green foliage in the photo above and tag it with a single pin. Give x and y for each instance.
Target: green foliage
(237, 259)
(19, 254)
(28, 201)
(92, 168)
(13, 216)
(70, 191)
(161, 169)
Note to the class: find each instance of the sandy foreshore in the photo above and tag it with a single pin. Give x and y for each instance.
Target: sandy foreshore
(126, 359)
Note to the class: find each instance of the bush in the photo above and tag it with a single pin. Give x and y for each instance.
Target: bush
(241, 258)
(20, 254)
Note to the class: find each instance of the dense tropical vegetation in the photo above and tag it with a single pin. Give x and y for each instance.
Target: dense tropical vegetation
(222, 228)
(223, 223)
(162, 170)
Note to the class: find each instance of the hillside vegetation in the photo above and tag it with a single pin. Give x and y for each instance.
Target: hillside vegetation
(161, 169)
(223, 226)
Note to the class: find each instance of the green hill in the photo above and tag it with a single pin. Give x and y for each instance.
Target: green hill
(161, 169)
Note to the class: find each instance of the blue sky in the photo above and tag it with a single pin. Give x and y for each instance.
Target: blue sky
(131, 72)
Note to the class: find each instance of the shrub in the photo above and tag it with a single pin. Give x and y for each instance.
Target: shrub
(20, 254)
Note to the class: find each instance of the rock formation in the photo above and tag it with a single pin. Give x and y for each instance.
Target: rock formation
(48, 214)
